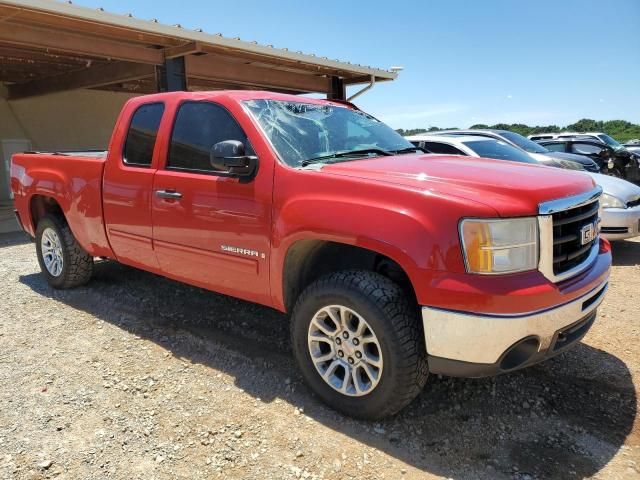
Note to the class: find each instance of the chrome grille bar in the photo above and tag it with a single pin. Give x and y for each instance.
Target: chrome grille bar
(559, 250)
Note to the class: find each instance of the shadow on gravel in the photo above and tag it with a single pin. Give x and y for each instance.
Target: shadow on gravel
(13, 238)
(565, 418)
(625, 253)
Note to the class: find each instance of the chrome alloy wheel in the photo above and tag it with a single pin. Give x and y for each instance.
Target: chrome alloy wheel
(345, 350)
(51, 248)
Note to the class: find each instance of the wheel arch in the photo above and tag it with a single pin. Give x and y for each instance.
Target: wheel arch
(41, 205)
(308, 259)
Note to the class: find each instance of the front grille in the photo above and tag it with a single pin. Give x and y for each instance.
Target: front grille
(568, 249)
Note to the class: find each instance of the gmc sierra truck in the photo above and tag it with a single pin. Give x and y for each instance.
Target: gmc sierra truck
(393, 264)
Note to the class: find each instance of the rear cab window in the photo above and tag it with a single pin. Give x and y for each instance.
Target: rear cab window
(142, 134)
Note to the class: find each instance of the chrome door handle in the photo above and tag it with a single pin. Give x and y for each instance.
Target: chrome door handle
(168, 194)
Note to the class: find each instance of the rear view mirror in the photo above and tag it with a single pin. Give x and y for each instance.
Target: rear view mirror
(229, 157)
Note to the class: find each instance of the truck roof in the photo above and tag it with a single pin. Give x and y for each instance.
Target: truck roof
(239, 95)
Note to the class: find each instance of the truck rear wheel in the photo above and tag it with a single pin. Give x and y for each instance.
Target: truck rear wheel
(358, 343)
(62, 260)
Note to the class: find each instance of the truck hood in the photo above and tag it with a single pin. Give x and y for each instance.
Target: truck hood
(510, 188)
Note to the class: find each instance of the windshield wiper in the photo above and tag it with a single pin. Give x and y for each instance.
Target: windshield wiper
(409, 150)
(346, 153)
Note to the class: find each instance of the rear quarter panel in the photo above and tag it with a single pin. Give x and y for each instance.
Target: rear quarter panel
(75, 183)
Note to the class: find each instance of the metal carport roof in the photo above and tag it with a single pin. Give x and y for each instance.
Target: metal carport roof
(48, 46)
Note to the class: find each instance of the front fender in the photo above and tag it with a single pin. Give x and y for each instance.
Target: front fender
(416, 229)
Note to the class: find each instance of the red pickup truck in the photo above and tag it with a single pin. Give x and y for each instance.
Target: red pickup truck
(393, 263)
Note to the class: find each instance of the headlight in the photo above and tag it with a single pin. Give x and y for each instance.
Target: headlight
(609, 201)
(571, 165)
(500, 246)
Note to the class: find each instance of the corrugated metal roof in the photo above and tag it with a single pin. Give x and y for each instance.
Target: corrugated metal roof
(177, 32)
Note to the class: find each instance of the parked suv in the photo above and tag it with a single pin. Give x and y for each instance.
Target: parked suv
(633, 147)
(597, 136)
(616, 161)
(534, 149)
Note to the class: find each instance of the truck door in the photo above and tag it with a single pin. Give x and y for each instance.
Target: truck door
(211, 230)
(128, 180)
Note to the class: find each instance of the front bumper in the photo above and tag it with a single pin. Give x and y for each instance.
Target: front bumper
(473, 345)
(620, 223)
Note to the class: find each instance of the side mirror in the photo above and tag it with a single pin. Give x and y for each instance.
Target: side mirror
(229, 157)
(605, 153)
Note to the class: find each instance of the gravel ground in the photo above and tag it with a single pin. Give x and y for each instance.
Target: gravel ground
(136, 376)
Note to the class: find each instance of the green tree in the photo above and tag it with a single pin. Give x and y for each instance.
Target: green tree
(621, 130)
(585, 125)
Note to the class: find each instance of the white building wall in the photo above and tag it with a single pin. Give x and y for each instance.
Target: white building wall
(73, 120)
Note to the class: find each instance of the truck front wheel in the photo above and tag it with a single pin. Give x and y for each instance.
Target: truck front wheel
(358, 343)
(62, 260)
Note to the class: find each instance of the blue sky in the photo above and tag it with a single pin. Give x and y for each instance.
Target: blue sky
(465, 62)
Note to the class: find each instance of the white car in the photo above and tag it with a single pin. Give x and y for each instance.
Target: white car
(537, 151)
(620, 199)
(633, 147)
(473, 146)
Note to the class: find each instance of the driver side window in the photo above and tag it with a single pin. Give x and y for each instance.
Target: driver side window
(586, 149)
(555, 147)
(198, 126)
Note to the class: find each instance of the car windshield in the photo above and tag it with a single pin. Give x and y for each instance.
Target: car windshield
(610, 141)
(498, 150)
(302, 132)
(524, 143)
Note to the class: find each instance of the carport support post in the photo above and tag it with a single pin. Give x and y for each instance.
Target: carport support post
(338, 89)
(171, 76)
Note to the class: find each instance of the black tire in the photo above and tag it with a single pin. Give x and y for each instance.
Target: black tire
(77, 264)
(394, 320)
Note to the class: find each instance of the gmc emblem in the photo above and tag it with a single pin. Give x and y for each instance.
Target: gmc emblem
(587, 233)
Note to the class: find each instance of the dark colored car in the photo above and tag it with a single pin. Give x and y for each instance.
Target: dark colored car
(537, 151)
(616, 161)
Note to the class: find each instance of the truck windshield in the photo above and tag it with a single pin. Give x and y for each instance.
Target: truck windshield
(610, 141)
(302, 132)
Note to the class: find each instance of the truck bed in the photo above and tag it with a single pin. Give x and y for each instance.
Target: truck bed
(73, 153)
(74, 181)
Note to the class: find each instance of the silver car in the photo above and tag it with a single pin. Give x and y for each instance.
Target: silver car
(620, 203)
